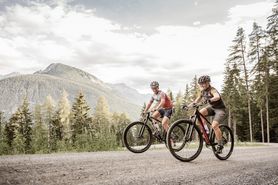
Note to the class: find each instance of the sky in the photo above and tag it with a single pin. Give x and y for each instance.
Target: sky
(126, 41)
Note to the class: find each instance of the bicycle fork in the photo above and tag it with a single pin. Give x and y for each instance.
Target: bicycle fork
(189, 133)
(142, 129)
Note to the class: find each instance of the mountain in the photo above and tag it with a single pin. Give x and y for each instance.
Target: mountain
(130, 94)
(58, 77)
(9, 75)
(68, 72)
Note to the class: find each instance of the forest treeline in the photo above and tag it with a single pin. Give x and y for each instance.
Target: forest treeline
(250, 86)
(62, 127)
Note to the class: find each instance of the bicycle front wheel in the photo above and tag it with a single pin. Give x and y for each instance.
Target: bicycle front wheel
(137, 137)
(184, 140)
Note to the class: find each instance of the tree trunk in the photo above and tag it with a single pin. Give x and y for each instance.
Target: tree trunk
(250, 119)
(234, 129)
(229, 118)
(266, 100)
(267, 118)
(248, 94)
(262, 123)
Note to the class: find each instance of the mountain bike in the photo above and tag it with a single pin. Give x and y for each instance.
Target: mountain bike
(138, 136)
(190, 143)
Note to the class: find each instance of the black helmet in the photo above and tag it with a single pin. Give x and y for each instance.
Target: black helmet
(154, 84)
(203, 79)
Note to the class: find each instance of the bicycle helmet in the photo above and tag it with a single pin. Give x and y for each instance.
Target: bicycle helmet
(154, 84)
(203, 79)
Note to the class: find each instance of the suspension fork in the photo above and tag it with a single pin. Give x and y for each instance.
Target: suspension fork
(142, 129)
(189, 131)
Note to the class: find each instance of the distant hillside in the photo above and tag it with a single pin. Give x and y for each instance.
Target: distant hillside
(56, 77)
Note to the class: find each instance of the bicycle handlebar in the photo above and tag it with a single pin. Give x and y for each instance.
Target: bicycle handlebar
(194, 105)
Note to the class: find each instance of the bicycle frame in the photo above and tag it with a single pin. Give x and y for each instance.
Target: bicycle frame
(198, 117)
(148, 118)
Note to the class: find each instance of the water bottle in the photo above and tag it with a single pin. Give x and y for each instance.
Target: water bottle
(206, 129)
(157, 126)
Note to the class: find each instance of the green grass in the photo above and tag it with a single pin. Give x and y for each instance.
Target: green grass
(244, 144)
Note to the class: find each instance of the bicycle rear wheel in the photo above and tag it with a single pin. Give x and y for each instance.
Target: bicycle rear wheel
(228, 140)
(184, 140)
(137, 137)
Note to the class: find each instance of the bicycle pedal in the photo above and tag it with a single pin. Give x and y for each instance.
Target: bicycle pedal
(214, 144)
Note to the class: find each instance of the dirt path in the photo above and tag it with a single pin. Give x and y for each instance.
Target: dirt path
(248, 165)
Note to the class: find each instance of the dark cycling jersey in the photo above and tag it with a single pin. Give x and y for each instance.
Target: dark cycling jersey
(208, 94)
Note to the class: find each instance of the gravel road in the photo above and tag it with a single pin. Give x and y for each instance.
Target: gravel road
(247, 165)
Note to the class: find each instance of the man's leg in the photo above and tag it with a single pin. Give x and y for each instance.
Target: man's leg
(165, 123)
(156, 115)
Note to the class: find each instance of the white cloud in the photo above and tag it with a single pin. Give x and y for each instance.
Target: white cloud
(252, 11)
(35, 36)
(196, 23)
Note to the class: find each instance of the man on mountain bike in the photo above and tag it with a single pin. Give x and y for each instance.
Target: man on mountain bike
(163, 107)
(215, 107)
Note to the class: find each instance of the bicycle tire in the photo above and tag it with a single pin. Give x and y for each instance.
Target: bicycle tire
(185, 123)
(125, 137)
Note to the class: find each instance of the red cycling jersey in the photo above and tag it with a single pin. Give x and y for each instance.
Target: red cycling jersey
(160, 96)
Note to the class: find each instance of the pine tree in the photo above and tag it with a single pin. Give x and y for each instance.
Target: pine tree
(170, 94)
(104, 137)
(102, 113)
(39, 132)
(231, 95)
(142, 110)
(3, 145)
(64, 115)
(9, 130)
(48, 109)
(273, 108)
(272, 30)
(60, 120)
(271, 60)
(256, 53)
(119, 123)
(178, 113)
(81, 121)
(194, 90)
(60, 127)
(237, 55)
(27, 124)
(186, 96)
(1, 125)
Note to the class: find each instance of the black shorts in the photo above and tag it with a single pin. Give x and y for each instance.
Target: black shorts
(165, 112)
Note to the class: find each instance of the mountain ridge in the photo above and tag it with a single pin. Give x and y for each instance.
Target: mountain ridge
(58, 77)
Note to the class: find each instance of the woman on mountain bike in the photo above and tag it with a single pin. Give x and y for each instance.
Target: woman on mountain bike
(215, 107)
